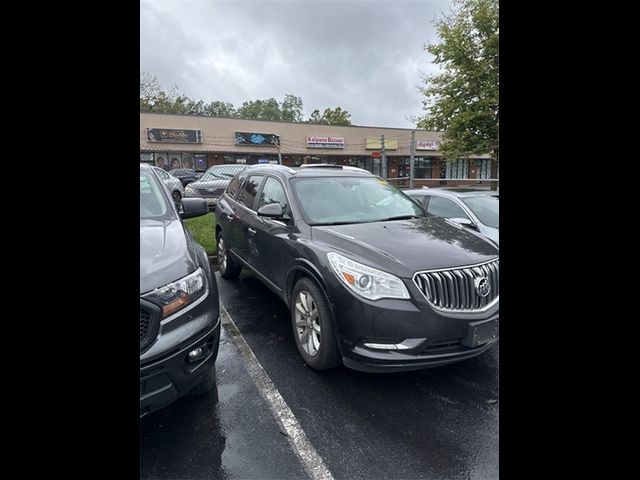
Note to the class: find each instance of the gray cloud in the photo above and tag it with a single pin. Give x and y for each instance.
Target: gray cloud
(363, 55)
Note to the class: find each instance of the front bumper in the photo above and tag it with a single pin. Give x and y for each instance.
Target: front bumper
(429, 338)
(166, 379)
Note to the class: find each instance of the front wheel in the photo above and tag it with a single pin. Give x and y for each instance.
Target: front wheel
(313, 327)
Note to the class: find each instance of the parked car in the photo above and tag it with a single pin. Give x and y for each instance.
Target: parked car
(475, 209)
(176, 190)
(185, 175)
(371, 279)
(213, 183)
(179, 309)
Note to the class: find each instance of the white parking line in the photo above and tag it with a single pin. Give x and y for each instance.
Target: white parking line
(309, 458)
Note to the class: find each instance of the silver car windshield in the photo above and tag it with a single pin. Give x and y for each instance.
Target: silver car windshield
(485, 207)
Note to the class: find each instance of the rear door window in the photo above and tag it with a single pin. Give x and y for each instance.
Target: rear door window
(250, 189)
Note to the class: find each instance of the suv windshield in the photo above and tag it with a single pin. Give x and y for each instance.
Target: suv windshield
(342, 200)
(218, 172)
(153, 203)
(485, 207)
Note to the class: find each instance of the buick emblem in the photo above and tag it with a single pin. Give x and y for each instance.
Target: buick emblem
(483, 287)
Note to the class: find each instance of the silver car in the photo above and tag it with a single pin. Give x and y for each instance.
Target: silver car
(174, 185)
(213, 183)
(475, 209)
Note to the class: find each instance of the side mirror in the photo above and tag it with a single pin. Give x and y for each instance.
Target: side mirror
(273, 210)
(465, 222)
(194, 207)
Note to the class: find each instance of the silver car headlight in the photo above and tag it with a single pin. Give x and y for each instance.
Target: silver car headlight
(367, 282)
(179, 294)
(189, 191)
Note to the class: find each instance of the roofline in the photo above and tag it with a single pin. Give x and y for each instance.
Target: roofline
(290, 123)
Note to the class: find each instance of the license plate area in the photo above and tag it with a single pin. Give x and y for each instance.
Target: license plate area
(482, 332)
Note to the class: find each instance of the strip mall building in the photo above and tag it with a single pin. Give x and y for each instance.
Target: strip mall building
(185, 141)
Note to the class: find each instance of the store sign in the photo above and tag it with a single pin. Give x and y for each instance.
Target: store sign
(173, 135)
(262, 139)
(374, 144)
(325, 142)
(427, 145)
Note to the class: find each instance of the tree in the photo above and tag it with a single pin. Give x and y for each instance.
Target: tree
(291, 108)
(220, 109)
(335, 116)
(261, 110)
(463, 100)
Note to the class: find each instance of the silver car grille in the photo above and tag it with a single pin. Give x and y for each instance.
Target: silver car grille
(461, 288)
(206, 192)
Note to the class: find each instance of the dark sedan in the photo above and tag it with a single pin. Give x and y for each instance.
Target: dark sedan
(185, 175)
(371, 279)
(179, 310)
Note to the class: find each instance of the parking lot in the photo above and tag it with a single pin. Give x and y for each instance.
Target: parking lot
(436, 423)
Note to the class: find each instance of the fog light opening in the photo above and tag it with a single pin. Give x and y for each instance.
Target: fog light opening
(382, 346)
(196, 354)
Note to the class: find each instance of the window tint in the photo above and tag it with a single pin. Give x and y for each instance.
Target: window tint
(234, 184)
(443, 207)
(273, 193)
(249, 190)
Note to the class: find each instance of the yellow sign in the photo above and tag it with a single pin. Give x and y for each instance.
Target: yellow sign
(374, 144)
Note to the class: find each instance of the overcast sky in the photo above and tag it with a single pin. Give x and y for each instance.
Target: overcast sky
(363, 55)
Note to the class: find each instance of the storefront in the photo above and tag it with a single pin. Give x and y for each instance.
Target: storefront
(183, 141)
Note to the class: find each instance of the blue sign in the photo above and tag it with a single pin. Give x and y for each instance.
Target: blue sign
(262, 139)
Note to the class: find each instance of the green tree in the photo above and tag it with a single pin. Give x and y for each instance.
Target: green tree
(261, 110)
(335, 116)
(463, 100)
(220, 109)
(291, 108)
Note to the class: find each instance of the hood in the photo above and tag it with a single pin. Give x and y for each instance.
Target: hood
(403, 247)
(164, 253)
(492, 233)
(214, 184)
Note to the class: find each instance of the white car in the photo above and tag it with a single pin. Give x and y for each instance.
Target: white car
(174, 185)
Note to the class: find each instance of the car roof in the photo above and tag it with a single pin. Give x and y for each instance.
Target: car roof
(144, 166)
(313, 170)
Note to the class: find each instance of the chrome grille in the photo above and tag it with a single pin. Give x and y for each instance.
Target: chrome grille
(455, 289)
(205, 192)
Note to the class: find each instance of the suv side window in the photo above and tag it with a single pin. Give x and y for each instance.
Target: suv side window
(443, 207)
(247, 195)
(234, 184)
(272, 192)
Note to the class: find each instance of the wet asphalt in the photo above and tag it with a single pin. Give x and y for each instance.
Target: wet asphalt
(440, 423)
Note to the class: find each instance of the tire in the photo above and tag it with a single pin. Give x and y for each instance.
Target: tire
(177, 196)
(313, 326)
(208, 381)
(228, 267)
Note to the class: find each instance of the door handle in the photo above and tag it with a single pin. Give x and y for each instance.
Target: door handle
(251, 231)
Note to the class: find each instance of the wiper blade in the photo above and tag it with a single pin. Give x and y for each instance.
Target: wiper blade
(322, 224)
(400, 217)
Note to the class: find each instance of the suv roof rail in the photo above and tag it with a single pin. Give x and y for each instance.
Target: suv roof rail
(321, 165)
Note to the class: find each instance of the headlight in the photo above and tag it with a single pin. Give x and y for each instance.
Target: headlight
(189, 191)
(366, 281)
(177, 295)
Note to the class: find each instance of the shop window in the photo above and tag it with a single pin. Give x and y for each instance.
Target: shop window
(201, 163)
(457, 169)
(160, 159)
(174, 161)
(484, 167)
(146, 157)
(187, 161)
